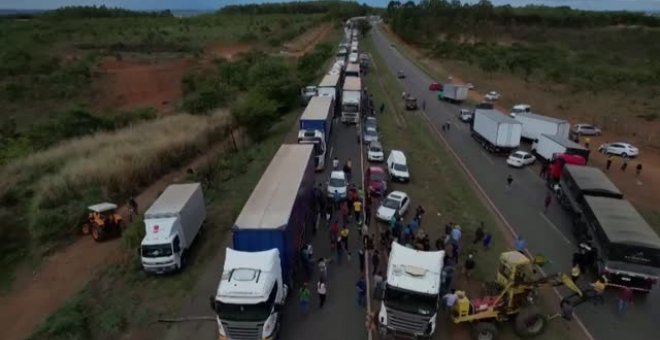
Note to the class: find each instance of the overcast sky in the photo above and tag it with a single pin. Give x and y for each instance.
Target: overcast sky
(636, 5)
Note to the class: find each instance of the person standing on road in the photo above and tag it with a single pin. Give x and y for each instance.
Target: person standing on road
(358, 132)
(608, 164)
(361, 286)
(348, 169)
(450, 300)
(322, 290)
(323, 268)
(419, 213)
(403, 95)
(479, 234)
(344, 237)
(335, 163)
(469, 265)
(456, 234)
(544, 170)
(448, 125)
(375, 261)
(357, 211)
(488, 240)
(599, 289)
(304, 298)
(336, 198)
(382, 108)
(548, 200)
(521, 244)
(509, 182)
(638, 169)
(625, 299)
(343, 207)
(624, 166)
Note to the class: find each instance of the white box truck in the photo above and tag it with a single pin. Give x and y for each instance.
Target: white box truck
(549, 145)
(454, 93)
(533, 125)
(329, 86)
(351, 100)
(171, 224)
(495, 131)
(411, 298)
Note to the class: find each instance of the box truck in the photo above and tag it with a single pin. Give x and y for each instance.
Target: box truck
(495, 131)
(171, 225)
(315, 126)
(454, 93)
(274, 220)
(352, 70)
(409, 305)
(533, 125)
(329, 86)
(351, 100)
(549, 145)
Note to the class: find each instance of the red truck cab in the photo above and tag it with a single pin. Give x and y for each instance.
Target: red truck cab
(556, 165)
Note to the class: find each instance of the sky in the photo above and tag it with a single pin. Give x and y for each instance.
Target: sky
(635, 5)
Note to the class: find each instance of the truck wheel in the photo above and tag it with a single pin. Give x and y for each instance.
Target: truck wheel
(97, 233)
(485, 331)
(530, 322)
(85, 229)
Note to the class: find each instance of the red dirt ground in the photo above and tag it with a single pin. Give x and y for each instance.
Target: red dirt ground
(228, 52)
(307, 41)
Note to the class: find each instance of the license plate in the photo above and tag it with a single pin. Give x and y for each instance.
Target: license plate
(627, 279)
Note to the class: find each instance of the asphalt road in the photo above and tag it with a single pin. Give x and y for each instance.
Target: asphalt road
(522, 206)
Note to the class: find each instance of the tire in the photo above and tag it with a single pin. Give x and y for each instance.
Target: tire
(485, 331)
(97, 233)
(530, 322)
(624, 155)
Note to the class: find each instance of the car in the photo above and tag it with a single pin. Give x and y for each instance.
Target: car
(371, 122)
(519, 159)
(307, 93)
(375, 152)
(337, 182)
(400, 74)
(465, 115)
(586, 130)
(435, 87)
(492, 96)
(397, 166)
(470, 86)
(375, 179)
(370, 135)
(620, 149)
(396, 202)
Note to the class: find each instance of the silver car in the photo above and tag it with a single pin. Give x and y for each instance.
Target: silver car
(586, 130)
(370, 135)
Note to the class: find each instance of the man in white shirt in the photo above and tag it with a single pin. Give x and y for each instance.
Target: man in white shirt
(321, 289)
(450, 300)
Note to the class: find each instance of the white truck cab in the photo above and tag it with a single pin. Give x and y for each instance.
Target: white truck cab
(251, 295)
(412, 292)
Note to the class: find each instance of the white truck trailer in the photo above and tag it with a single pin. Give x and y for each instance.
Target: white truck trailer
(495, 131)
(549, 145)
(329, 86)
(315, 126)
(171, 224)
(351, 100)
(454, 93)
(533, 125)
(412, 293)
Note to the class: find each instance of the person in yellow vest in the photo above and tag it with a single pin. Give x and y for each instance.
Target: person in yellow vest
(462, 305)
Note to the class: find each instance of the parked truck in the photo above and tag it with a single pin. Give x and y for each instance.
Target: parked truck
(329, 86)
(549, 145)
(495, 131)
(276, 219)
(172, 224)
(410, 302)
(577, 182)
(454, 93)
(533, 125)
(351, 100)
(352, 70)
(315, 126)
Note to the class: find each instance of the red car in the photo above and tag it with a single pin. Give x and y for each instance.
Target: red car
(376, 180)
(435, 87)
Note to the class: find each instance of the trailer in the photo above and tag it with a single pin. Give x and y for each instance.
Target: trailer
(495, 131)
(549, 145)
(534, 125)
(351, 100)
(454, 93)
(353, 70)
(315, 127)
(329, 86)
(579, 181)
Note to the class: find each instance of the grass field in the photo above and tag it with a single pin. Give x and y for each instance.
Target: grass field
(440, 186)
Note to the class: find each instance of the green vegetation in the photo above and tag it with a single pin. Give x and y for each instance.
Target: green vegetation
(559, 45)
(341, 10)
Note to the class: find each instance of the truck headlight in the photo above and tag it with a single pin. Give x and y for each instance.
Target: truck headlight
(382, 316)
(221, 329)
(269, 327)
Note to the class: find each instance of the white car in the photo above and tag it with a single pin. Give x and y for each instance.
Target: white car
(375, 152)
(520, 159)
(395, 201)
(338, 183)
(586, 130)
(492, 96)
(465, 115)
(620, 149)
(370, 135)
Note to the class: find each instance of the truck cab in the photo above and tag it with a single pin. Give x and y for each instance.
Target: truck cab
(316, 138)
(412, 293)
(251, 295)
(161, 246)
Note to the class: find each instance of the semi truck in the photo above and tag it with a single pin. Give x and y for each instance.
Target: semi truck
(329, 86)
(557, 164)
(315, 127)
(268, 236)
(533, 125)
(410, 301)
(352, 70)
(579, 181)
(495, 131)
(351, 100)
(172, 224)
(454, 93)
(549, 145)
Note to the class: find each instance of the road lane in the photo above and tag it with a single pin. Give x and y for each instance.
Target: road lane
(545, 233)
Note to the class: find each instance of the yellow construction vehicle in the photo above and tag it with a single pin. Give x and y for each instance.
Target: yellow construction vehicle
(511, 297)
(103, 222)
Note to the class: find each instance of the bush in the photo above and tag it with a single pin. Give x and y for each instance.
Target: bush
(256, 113)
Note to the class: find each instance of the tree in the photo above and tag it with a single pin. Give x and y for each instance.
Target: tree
(363, 26)
(256, 114)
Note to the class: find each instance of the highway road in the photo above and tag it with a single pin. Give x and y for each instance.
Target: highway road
(522, 206)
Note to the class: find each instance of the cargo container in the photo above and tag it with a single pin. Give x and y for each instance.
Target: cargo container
(495, 131)
(533, 125)
(454, 93)
(549, 145)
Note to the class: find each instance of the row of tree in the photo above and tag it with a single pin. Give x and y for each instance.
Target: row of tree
(334, 8)
(93, 12)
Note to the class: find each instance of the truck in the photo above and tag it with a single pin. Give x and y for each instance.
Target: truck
(352, 70)
(533, 125)
(454, 93)
(276, 220)
(351, 100)
(329, 86)
(557, 164)
(315, 126)
(172, 224)
(628, 250)
(579, 181)
(549, 145)
(495, 131)
(411, 297)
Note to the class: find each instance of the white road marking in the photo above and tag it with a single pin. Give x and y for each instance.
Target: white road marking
(547, 220)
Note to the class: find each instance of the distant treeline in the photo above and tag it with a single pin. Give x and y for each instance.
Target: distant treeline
(343, 9)
(90, 12)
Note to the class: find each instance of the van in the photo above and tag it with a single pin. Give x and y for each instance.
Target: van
(397, 166)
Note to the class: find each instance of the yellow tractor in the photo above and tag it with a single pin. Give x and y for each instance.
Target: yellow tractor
(511, 297)
(103, 222)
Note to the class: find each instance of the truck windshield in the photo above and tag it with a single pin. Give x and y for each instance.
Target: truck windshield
(411, 302)
(157, 250)
(349, 108)
(234, 312)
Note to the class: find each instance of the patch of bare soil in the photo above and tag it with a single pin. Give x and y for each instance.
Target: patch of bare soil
(306, 42)
(229, 52)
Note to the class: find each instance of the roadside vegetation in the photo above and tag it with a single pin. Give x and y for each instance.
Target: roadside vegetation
(445, 192)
